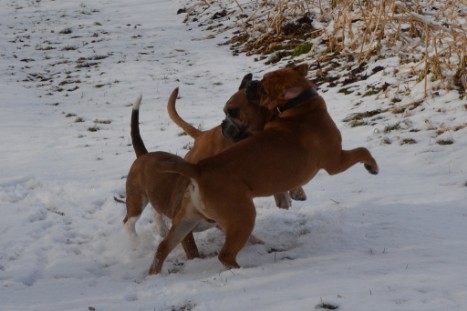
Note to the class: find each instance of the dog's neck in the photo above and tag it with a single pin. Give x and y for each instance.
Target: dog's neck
(297, 100)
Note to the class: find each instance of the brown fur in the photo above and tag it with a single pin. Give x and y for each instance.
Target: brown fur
(167, 191)
(288, 153)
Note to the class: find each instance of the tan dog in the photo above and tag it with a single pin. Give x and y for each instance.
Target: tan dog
(288, 153)
(166, 191)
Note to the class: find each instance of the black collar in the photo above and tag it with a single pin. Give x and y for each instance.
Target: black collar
(297, 100)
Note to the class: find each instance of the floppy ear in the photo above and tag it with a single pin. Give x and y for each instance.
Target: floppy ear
(245, 80)
(302, 69)
(292, 92)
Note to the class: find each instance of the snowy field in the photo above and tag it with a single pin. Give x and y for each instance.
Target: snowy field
(69, 71)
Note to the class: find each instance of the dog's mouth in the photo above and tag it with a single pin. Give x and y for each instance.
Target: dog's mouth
(231, 130)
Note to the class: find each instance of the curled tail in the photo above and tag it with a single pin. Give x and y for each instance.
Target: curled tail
(173, 114)
(136, 140)
(172, 163)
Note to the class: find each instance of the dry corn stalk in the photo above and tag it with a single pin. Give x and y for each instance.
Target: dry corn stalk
(367, 28)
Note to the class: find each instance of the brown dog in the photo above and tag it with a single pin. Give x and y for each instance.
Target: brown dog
(166, 191)
(288, 153)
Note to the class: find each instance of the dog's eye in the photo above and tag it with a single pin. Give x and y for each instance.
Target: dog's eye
(233, 113)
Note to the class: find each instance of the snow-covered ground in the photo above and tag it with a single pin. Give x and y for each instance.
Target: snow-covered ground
(69, 71)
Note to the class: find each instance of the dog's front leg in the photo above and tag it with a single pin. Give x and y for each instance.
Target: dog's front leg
(161, 227)
(348, 158)
(237, 231)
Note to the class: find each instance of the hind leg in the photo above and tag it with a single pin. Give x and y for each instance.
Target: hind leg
(183, 223)
(135, 204)
(188, 243)
(159, 223)
(350, 157)
(282, 200)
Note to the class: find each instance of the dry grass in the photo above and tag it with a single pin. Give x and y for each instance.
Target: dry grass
(361, 30)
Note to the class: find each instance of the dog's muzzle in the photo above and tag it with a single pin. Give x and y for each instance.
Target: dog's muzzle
(231, 130)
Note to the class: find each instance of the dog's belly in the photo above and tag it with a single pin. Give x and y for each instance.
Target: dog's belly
(286, 170)
(270, 162)
(280, 181)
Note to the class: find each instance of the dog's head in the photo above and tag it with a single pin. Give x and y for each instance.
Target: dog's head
(243, 115)
(279, 86)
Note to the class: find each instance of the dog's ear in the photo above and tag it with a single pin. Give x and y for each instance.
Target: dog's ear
(302, 69)
(292, 92)
(252, 91)
(245, 81)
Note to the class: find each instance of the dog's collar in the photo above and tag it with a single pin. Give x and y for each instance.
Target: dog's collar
(297, 100)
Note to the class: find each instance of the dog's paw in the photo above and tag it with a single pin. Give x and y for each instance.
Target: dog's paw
(253, 240)
(298, 194)
(372, 169)
(283, 200)
(155, 267)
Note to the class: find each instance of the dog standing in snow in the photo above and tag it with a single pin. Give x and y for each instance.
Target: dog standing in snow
(167, 191)
(288, 153)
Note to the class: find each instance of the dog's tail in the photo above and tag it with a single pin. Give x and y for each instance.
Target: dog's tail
(173, 114)
(136, 140)
(172, 163)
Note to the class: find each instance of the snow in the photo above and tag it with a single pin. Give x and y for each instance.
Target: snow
(395, 241)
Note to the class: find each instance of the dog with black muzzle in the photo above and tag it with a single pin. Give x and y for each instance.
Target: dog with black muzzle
(167, 191)
(232, 130)
(242, 121)
(289, 152)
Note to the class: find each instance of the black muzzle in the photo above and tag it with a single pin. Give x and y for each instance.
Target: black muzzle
(233, 131)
